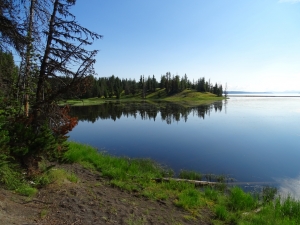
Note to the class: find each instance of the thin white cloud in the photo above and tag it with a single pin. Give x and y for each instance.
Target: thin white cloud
(289, 1)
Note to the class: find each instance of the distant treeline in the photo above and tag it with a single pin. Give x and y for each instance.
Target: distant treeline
(114, 86)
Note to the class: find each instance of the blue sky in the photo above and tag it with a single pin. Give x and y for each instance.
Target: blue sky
(253, 45)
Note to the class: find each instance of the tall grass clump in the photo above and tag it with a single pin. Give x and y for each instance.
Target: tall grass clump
(189, 199)
(239, 200)
(221, 212)
(211, 193)
(8, 174)
(12, 179)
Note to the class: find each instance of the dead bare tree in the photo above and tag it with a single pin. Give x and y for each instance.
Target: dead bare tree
(11, 30)
(65, 61)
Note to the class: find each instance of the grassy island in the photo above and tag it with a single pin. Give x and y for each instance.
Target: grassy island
(185, 98)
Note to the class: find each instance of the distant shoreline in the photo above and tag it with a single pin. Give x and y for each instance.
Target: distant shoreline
(271, 96)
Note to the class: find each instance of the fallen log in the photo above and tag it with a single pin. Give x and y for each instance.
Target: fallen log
(205, 183)
(196, 182)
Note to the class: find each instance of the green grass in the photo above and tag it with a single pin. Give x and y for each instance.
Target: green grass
(58, 176)
(239, 200)
(84, 102)
(211, 193)
(26, 190)
(277, 212)
(221, 212)
(133, 174)
(190, 198)
(12, 178)
(189, 98)
(126, 173)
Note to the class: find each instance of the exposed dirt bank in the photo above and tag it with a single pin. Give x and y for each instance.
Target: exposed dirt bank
(90, 201)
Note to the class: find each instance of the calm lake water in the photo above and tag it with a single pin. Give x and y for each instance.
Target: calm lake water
(255, 140)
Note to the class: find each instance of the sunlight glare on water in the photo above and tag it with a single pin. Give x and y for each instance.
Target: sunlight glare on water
(289, 187)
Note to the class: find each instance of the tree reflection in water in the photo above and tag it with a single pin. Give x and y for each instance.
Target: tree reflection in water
(170, 112)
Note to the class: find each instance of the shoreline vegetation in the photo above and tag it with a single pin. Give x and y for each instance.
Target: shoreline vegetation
(147, 179)
(186, 98)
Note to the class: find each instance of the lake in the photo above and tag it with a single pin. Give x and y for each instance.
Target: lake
(255, 140)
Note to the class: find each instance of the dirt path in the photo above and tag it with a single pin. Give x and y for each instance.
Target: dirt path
(90, 201)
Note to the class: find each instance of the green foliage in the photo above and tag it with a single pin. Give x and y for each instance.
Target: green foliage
(239, 200)
(278, 212)
(290, 208)
(8, 74)
(189, 199)
(221, 212)
(4, 140)
(25, 140)
(147, 87)
(26, 190)
(42, 180)
(191, 175)
(211, 193)
(178, 186)
(268, 194)
(8, 77)
(13, 179)
(58, 176)
(10, 176)
(113, 167)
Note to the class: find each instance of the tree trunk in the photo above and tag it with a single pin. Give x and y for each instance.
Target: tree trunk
(28, 58)
(42, 73)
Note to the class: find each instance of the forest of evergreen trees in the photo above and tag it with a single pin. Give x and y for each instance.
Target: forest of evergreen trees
(108, 87)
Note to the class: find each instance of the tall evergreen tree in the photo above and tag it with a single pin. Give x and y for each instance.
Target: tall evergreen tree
(8, 75)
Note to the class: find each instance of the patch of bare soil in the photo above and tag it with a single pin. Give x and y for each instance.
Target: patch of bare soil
(90, 201)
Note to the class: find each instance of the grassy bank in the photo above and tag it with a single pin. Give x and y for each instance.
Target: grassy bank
(186, 98)
(139, 176)
(229, 206)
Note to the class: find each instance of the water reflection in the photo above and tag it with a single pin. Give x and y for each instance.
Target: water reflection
(289, 187)
(169, 112)
(248, 143)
